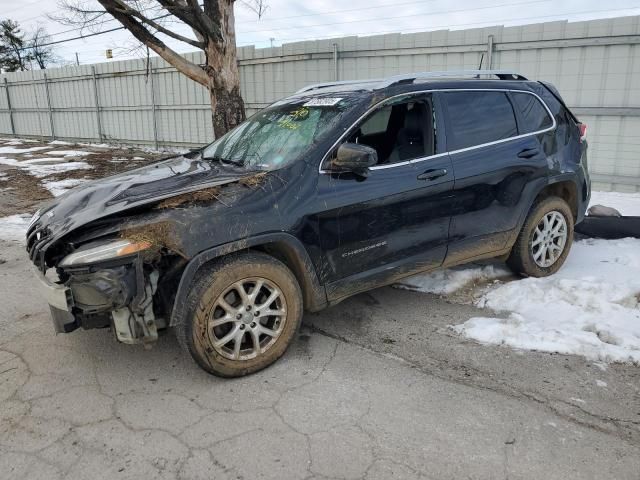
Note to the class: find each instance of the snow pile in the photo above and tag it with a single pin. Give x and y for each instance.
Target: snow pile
(14, 227)
(446, 281)
(628, 204)
(590, 307)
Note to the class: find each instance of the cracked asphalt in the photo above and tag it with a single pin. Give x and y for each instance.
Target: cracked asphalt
(374, 388)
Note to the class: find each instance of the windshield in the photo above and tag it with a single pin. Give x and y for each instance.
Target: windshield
(279, 134)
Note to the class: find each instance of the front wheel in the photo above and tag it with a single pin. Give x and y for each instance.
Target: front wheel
(242, 314)
(545, 239)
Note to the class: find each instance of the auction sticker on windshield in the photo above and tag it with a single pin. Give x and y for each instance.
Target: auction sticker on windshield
(322, 102)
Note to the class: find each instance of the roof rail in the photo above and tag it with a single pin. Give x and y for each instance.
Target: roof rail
(316, 86)
(410, 77)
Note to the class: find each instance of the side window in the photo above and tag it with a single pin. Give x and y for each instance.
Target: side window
(377, 123)
(533, 114)
(478, 117)
(399, 132)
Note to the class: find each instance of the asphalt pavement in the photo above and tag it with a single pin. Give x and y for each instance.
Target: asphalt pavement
(377, 387)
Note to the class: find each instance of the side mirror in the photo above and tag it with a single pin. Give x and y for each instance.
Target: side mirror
(353, 157)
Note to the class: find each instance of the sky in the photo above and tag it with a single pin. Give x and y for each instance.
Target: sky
(288, 21)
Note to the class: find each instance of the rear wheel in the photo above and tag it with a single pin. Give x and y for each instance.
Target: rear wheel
(545, 239)
(242, 314)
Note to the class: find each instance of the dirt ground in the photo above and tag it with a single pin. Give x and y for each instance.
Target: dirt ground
(21, 192)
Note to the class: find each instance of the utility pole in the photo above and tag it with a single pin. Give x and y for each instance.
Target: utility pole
(77, 59)
(272, 40)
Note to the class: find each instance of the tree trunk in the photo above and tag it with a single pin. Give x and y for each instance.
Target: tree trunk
(227, 105)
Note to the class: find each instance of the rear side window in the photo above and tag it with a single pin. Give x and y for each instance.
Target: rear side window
(532, 113)
(476, 118)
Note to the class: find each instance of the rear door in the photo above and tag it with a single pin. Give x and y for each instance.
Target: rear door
(395, 220)
(496, 158)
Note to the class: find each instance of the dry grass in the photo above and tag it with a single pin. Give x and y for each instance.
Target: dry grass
(199, 196)
(160, 235)
(254, 180)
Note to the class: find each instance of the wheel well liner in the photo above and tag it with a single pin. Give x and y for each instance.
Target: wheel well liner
(565, 189)
(283, 246)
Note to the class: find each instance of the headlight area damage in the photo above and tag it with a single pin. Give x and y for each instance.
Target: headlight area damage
(111, 283)
(122, 271)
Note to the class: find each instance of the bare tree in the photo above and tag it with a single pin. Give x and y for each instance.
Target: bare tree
(40, 50)
(210, 28)
(259, 7)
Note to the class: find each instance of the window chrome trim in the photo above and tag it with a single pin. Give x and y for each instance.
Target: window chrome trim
(553, 126)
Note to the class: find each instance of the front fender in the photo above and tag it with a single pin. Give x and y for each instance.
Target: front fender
(297, 259)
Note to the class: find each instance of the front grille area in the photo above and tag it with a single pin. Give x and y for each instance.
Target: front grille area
(37, 237)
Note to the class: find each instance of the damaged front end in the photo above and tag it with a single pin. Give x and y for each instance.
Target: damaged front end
(104, 283)
(110, 253)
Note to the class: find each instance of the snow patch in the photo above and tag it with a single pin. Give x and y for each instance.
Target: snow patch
(589, 307)
(42, 169)
(71, 153)
(600, 383)
(12, 150)
(14, 227)
(449, 280)
(628, 204)
(57, 188)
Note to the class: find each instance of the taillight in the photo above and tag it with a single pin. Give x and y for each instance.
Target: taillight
(582, 127)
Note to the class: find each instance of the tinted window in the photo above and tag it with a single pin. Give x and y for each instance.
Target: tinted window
(478, 117)
(532, 113)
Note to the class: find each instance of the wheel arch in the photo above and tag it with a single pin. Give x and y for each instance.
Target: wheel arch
(565, 188)
(282, 246)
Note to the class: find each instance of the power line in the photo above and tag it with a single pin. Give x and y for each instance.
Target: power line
(449, 25)
(57, 42)
(441, 12)
(80, 37)
(89, 35)
(277, 19)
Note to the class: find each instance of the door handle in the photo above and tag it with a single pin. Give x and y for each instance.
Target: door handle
(433, 174)
(528, 153)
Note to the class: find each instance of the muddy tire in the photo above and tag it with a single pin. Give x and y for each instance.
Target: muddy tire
(545, 239)
(242, 313)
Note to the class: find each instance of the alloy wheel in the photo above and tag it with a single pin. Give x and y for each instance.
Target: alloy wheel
(549, 239)
(247, 318)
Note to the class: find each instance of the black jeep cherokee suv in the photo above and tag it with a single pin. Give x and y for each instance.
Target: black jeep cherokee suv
(337, 189)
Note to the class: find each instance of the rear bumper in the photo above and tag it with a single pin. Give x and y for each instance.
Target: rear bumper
(60, 300)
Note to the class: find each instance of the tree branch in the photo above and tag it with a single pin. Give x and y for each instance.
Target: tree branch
(138, 30)
(135, 13)
(181, 12)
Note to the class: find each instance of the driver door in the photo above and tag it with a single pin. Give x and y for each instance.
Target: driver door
(394, 221)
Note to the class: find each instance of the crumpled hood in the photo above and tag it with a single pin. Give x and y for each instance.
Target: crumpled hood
(110, 195)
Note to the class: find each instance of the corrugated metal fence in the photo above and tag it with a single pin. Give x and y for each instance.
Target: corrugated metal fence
(594, 64)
